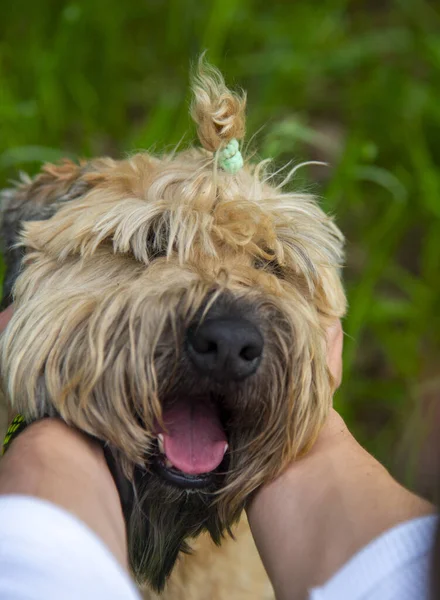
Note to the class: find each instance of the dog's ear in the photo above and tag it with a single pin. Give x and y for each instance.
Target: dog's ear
(117, 208)
(312, 249)
(35, 199)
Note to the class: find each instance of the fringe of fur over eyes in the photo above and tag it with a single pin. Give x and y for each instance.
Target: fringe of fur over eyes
(132, 250)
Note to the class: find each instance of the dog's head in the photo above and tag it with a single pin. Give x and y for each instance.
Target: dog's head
(177, 312)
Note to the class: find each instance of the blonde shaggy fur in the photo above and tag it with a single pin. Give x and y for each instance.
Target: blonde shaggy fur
(119, 259)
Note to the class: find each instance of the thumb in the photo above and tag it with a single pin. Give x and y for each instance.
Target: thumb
(5, 317)
(335, 338)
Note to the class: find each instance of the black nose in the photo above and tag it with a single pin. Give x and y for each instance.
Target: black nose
(225, 349)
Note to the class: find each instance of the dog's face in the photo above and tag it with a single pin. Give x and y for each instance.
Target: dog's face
(178, 314)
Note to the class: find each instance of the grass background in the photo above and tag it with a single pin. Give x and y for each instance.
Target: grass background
(352, 83)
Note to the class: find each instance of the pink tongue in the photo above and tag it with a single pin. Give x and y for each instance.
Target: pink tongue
(195, 441)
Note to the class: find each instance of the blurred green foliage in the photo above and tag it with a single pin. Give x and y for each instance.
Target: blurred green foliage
(353, 83)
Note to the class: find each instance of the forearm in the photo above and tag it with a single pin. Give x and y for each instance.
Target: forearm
(58, 464)
(327, 506)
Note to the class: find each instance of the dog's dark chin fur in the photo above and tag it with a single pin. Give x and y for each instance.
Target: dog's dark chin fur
(163, 519)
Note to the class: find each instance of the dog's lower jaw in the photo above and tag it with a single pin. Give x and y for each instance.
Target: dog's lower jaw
(164, 518)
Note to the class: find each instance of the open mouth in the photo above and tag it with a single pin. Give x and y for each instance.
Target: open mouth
(191, 447)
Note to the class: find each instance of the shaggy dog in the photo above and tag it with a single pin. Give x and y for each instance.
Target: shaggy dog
(175, 307)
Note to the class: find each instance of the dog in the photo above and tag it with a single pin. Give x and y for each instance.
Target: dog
(175, 307)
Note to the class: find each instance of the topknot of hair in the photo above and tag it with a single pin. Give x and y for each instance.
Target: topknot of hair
(218, 112)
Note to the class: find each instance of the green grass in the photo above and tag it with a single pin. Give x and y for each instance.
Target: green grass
(353, 83)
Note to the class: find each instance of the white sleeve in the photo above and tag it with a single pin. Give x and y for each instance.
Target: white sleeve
(48, 554)
(395, 566)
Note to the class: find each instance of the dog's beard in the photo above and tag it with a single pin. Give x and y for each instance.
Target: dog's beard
(163, 519)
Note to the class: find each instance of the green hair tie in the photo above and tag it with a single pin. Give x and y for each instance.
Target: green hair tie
(230, 158)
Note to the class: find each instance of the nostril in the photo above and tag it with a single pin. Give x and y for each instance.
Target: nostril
(250, 353)
(210, 347)
(203, 346)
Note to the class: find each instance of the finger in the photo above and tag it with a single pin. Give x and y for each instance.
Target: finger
(5, 317)
(335, 338)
